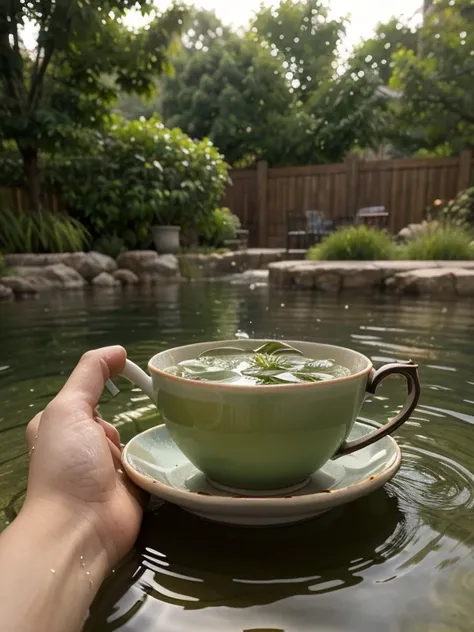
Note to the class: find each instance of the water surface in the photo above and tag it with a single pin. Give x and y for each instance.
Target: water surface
(398, 560)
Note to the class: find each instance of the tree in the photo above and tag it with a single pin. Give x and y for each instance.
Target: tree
(376, 53)
(305, 37)
(229, 88)
(84, 55)
(437, 109)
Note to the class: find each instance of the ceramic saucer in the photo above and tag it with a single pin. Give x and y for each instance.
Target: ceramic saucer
(154, 463)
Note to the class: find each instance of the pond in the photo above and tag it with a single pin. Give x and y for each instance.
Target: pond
(401, 559)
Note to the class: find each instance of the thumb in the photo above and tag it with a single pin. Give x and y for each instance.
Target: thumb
(87, 381)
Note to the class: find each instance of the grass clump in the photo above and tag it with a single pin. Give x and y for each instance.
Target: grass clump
(40, 232)
(354, 243)
(444, 243)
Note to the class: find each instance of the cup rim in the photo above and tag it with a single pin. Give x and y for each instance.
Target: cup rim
(260, 388)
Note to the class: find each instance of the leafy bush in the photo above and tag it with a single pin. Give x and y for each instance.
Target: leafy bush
(457, 212)
(112, 246)
(136, 174)
(221, 226)
(141, 174)
(40, 232)
(354, 243)
(446, 242)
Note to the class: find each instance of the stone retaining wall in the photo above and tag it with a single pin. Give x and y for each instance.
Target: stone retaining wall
(32, 273)
(442, 278)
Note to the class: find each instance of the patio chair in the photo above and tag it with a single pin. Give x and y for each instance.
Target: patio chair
(307, 228)
(375, 216)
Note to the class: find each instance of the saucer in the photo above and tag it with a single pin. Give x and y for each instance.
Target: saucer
(154, 463)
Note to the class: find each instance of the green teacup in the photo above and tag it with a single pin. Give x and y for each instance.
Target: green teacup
(267, 437)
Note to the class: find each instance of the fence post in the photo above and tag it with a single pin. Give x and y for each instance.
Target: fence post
(262, 181)
(352, 184)
(464, 170)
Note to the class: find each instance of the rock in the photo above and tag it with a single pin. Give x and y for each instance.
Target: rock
(412, 231)
(464, 281)
(104, 279)
(362, 278)
(90, 264)
(6, 293)
(250, 277)
(168, 265)
(304, 276)
(126, 277)
(52, 276)
(425, 281)
(19, 285)
(280, 274)
(328, 280)
(64, 276)
(229, 263)
(15, 260)
(149, 266)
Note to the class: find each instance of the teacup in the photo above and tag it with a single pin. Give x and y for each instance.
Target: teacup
(267, 437)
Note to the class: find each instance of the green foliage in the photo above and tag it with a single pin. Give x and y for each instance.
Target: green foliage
(436, 82)
(84, 56)
(222, 225)
(450, 243)
(272, 93)
(457, 212)
(305, 36)
(143, 174)
(111, 245)
(41, 231)
(355, 243)
(232, 92)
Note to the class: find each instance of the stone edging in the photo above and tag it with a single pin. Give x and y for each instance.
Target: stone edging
(34, 273)
(446, 278)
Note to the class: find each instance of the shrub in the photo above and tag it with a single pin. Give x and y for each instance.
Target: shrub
(356, 243)
(143, 174)
(457, 212)
(40, 232)
(112, 246)
(221, 226)
(136, 174)
(446, 242)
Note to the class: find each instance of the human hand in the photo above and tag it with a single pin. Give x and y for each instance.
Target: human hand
(75, 458)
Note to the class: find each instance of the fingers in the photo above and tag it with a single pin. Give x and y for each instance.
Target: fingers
(110, 432)
(86, 382)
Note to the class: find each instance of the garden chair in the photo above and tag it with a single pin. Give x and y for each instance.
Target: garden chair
(374, 216)
(307, 228)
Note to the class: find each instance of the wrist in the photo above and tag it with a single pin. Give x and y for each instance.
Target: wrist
(57, 526)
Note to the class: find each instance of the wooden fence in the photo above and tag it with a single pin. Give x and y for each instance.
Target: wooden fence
(263, 197)
(17, 199)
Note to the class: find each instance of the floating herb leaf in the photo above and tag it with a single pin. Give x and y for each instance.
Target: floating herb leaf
(275, 347)
(271, 364)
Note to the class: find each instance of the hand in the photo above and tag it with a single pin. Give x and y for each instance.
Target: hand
(75, 458)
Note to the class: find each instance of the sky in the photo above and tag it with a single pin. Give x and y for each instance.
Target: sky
(365, 14)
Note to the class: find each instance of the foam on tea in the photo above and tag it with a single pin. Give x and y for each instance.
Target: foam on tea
(271, 364)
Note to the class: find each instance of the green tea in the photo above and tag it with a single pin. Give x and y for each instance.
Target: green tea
(271, 364)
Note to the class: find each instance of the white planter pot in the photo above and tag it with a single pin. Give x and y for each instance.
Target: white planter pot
(166, 239)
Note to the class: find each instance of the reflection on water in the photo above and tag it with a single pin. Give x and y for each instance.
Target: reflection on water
(400, 559)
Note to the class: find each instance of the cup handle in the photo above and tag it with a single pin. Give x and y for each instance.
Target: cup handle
(141, 379)
(410, 371)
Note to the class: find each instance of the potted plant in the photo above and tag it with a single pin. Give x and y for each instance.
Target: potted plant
(166, 229)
